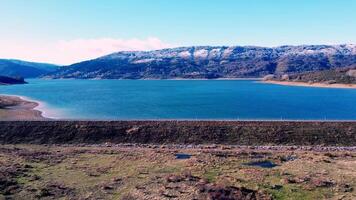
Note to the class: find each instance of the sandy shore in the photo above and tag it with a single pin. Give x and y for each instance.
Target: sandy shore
(16, 108)
(303, 84)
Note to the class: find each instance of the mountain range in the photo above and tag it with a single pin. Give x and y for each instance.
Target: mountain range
(211, 62)
(195, 62)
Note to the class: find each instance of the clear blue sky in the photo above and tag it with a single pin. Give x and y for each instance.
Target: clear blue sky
(182, 22)
(260, 22)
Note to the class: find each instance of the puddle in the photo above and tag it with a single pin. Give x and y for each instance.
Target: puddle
(263, 164)
(182, 156)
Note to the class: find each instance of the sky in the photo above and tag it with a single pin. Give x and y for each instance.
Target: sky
(68, 31)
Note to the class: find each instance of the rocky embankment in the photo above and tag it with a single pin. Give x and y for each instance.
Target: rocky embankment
(180, 132)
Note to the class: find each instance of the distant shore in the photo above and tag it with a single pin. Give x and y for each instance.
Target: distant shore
(191, 79)
(321, 85)
(213, 79)
(17, 108)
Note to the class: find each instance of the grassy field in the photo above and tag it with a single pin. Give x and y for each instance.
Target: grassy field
(105, 172)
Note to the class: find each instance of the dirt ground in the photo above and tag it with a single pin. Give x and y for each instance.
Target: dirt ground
(163, 172)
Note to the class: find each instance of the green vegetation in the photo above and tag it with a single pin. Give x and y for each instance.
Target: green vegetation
(126, 172)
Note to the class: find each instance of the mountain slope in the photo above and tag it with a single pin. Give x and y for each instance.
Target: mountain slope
(5, 80)
(24, 69)
(332, 76)
(212, 62)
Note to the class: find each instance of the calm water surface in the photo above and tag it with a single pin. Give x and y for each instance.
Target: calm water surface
(188, 99)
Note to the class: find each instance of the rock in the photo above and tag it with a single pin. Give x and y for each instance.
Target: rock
(215, 191)
(330, 82)
(276, 187)
(345, 188)
(351, 72)
(117, 179)
(107, 187)
(44, 193)
(287, 158)
(169, 194)
(288, 180)
(28, 166)
(174, 178)
(268, 77)
(285, 77)
(35, 177)
(128, 197)
(317, 182)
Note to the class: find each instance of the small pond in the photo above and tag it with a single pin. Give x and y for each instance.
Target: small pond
(263, 164)
(182, 156)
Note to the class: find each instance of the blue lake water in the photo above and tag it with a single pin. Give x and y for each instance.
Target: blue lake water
(188, 99)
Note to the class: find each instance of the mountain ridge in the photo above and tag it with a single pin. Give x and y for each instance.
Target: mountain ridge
(20, 68)
(211, 62)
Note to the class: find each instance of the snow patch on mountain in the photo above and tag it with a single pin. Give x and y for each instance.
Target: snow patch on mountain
(184, 54)
(144, 61)
(228, 52)
(352, 48)
(215, 53)
(201, 54)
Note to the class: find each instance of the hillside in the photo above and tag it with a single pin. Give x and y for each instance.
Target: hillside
(331, 76)
(15, 68)
(212, 62)
(4, 80)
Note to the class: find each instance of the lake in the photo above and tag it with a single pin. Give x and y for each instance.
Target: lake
(186, 99)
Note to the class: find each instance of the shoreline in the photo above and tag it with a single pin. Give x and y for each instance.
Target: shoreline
(20, 108)
(213, 79)
(42, 107)
(318, 85)
(25, 108)
(186, 79)
(165, 79)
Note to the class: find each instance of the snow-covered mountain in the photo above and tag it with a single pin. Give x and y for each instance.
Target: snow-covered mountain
(212, 62)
